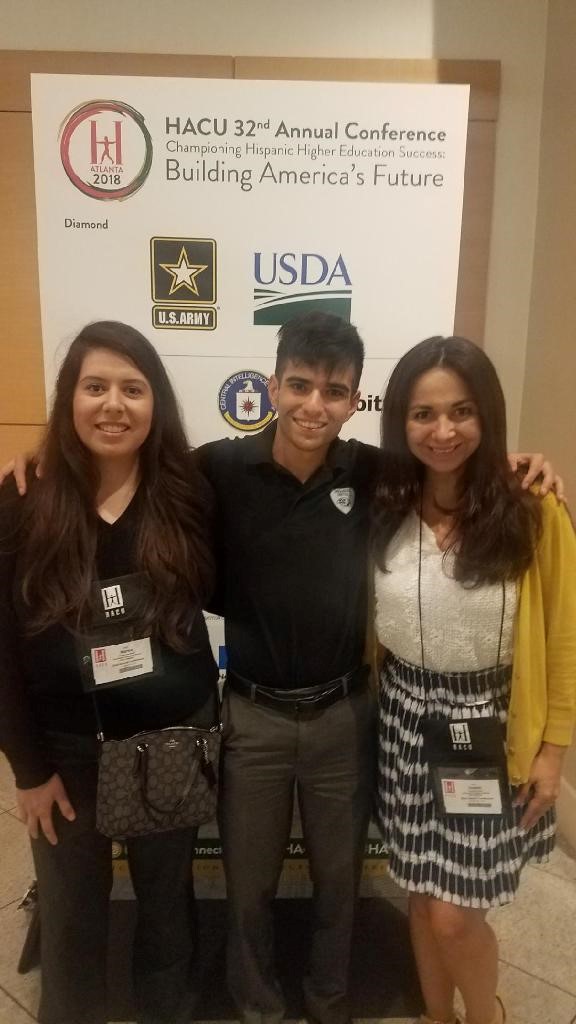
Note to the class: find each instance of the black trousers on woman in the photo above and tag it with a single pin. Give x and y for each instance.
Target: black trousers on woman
(74, 883)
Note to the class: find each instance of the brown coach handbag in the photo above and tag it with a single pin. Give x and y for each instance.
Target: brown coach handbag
(159, 780)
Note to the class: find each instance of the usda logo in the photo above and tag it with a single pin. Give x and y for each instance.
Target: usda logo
(289, 284)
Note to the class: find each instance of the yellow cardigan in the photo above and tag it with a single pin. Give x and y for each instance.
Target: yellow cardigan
(543, 693)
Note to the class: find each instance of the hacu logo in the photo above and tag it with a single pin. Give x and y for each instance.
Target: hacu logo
(289, 284)
(113, 601)
(460, 734)
(106, 149)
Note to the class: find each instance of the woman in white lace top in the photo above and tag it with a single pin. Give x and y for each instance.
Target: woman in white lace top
(476, 608)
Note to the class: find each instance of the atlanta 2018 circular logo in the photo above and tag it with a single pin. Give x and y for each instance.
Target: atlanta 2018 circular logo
(243, 401)
(106, 149)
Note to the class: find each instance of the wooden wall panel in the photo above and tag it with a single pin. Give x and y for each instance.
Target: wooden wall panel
(476, 225)
(483, 76)
(21, 376)
(16, 66)
(16, 438)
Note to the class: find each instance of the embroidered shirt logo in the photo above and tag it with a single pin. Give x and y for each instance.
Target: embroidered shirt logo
(113, 601)
(343, 498)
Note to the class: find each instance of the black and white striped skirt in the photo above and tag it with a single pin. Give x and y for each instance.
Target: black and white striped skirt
(471, 861)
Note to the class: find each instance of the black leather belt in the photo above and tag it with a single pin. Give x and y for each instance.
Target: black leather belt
(295, 701)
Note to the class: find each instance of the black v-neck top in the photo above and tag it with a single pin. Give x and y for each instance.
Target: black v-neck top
(40, 680)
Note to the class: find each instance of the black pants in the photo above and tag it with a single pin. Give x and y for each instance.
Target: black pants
(328, 757)
(74, 882)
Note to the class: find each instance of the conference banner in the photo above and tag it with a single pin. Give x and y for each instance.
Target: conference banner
(207, 213)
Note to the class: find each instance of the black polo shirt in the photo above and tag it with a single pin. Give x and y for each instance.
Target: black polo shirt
(292, 559)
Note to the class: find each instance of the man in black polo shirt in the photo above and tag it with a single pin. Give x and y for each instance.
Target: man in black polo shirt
(298, 715)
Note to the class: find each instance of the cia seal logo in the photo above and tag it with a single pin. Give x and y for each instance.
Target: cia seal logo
(244, 402)
(106, 149)
(343, 498)
(183, 273)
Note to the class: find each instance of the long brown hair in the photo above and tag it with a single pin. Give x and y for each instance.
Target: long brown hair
(59, 527)
(497, 523)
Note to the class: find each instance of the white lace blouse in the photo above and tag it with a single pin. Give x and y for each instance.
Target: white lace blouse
(460, 624)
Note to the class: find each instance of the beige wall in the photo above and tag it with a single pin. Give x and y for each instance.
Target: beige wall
(314, 28)
(548, 416)
(548, 406)
(515, 32)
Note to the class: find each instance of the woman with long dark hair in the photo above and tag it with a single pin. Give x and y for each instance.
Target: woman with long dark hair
(475, 591)
(122, 513)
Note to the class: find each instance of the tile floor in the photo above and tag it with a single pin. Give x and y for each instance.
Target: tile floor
(537, 933)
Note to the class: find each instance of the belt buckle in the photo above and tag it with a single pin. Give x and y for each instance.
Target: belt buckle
(322, 700)
(304, 704)
(307, 704)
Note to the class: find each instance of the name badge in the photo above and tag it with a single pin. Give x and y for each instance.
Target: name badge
(114, 649)
(472, 791)
(120, 661)
(467, 765)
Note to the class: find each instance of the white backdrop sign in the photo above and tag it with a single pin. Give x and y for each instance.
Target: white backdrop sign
(207, 212)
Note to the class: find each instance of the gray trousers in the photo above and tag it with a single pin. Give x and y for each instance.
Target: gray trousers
(326, 756)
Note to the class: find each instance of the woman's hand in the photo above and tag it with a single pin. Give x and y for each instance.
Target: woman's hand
(35, 807)
(543, 786)
(537, 465)
(17, 466)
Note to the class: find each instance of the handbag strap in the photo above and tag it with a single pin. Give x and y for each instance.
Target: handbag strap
(99, 727)
(141, 768)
